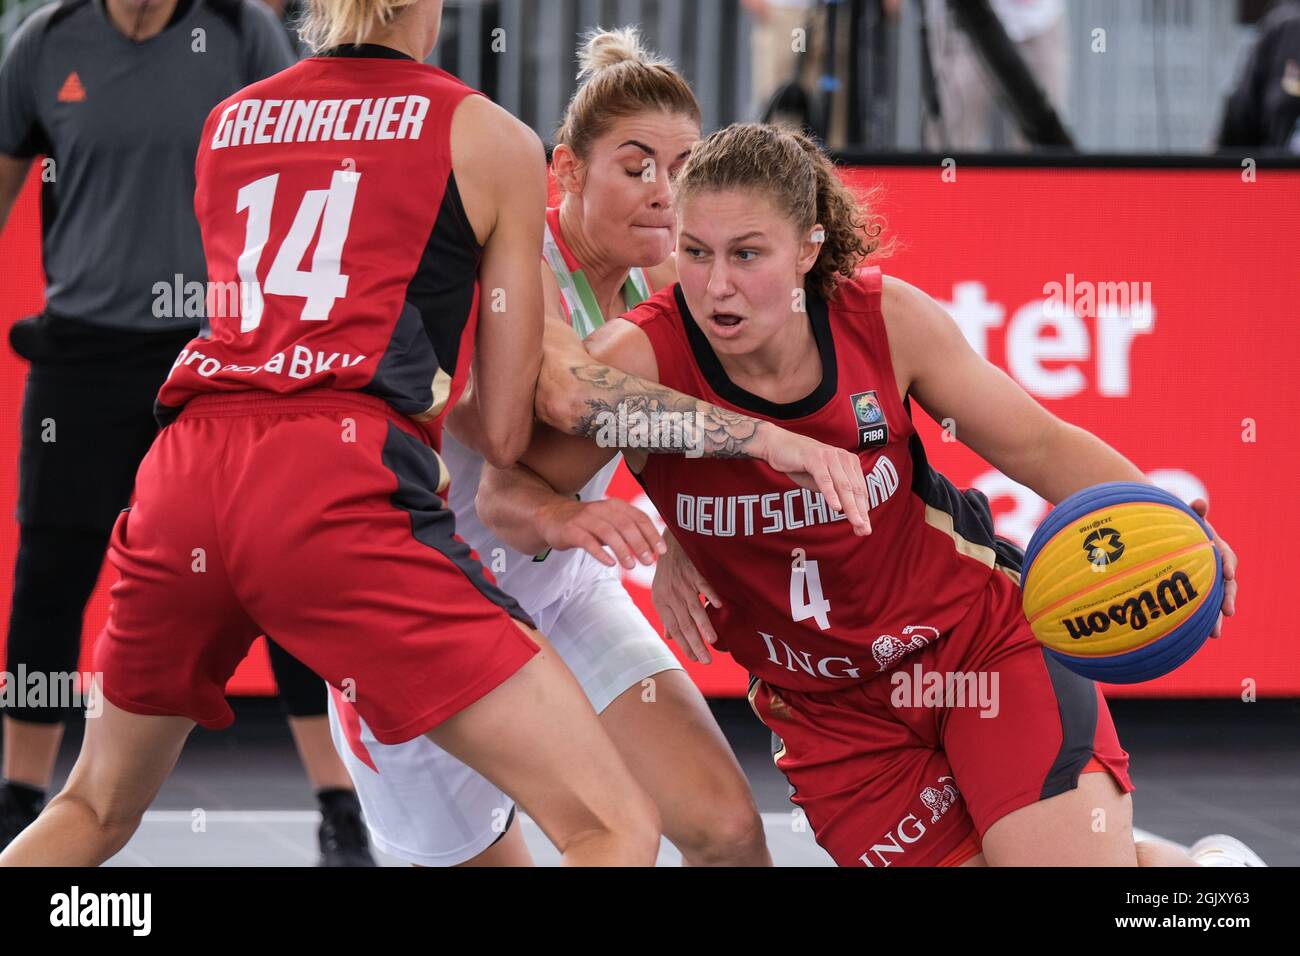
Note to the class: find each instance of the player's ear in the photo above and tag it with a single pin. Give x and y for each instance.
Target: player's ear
(568, 170)
(810, 247)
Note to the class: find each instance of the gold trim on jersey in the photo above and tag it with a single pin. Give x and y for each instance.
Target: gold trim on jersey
(776, 702)
(441, 392)
(1012, 573)
(941, 520)
(749, 695)
(444, 474)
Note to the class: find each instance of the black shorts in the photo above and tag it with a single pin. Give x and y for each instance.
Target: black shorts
(87, 418)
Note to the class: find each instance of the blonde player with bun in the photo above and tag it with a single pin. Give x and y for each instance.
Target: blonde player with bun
(627, 131)
(348, 554)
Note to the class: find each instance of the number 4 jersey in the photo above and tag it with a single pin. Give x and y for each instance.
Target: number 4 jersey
(338, 252)
(807, 605)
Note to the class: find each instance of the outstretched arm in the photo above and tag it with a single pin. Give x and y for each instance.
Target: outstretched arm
(1006, 426)
(583, 391)
(618, 374)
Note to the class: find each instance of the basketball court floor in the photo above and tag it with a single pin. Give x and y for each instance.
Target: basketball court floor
(1199, 766)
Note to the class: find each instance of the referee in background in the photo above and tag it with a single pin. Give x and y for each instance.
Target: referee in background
(114, 94)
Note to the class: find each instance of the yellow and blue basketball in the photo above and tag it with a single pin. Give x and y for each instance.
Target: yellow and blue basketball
(1122, 583)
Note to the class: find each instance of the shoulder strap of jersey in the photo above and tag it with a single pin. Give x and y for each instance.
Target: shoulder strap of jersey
(637, 288)
(863, 292)
(858, 303)
(579, 299)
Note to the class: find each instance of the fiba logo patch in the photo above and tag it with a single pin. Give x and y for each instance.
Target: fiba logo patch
(873, 430)
(1103, 546)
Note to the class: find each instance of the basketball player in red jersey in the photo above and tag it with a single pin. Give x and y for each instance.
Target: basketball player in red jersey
(348, 205)
(825, 621)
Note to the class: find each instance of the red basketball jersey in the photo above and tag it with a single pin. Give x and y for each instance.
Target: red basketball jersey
(339, 254)
(807, 605)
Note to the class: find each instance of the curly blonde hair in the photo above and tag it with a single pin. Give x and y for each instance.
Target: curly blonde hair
(800, 178)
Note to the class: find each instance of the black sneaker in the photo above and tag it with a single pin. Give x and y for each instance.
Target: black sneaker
(343, 840)
(16, 814)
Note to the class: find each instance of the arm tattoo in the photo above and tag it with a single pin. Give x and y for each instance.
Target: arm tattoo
(624, 411)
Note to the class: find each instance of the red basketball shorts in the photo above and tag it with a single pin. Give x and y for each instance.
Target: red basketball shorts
(912, 768)
(316, 519)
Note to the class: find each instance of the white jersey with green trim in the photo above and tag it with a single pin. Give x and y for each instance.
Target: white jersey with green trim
(535, 581)
(579, 300)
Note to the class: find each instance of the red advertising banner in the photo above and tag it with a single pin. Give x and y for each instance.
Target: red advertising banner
(1156, 308)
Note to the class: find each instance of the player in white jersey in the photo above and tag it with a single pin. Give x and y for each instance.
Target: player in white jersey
(629, 126)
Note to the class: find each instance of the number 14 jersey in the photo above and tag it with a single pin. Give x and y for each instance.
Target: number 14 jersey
(339, 254)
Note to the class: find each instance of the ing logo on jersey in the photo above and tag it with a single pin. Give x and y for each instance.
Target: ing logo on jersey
(873, 430)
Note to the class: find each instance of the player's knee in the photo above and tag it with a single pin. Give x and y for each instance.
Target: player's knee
(113, 824)
(632, 821)
(642, 827)
(621, 820)
(729, 832)
(628, 837)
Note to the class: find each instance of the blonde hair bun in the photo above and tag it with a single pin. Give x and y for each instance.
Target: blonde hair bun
(602, 49)
(620, 76)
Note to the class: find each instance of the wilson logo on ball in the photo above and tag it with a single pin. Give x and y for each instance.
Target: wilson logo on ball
(1172, 593)
(1146, 599)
